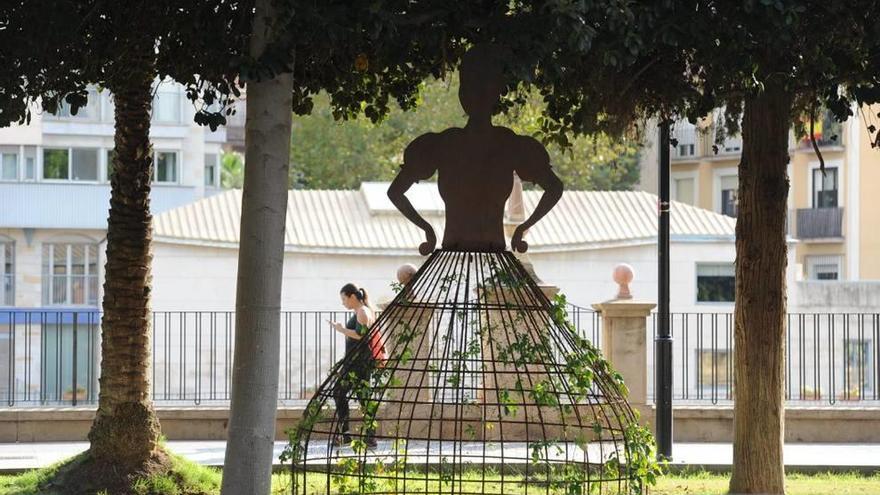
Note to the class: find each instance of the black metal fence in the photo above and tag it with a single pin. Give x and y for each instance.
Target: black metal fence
(831, 358)
(52, 358)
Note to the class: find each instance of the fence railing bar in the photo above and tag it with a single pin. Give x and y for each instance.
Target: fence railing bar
(53, 357)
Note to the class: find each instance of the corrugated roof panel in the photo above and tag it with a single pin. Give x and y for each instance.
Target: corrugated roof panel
(344, 220)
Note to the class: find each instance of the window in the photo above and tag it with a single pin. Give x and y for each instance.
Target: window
(713, 369)
(211, 170)
(823, 267)
(825, 188)
(166, 107)
(30, 160)
(109, 169)
(686, 149)
(715, 282)
(79, 164)
(858, 370)
(731, 145)
(91, 110)
(7, 274)
(55, 164)
(685, 190)
(8, 166)
(84, 164)
(826, 129)
(165, 166)
(729, 187)
(70, 274)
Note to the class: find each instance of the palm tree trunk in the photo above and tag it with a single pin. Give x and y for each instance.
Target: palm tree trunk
(125, 432)
(761, 260)
(249, 452)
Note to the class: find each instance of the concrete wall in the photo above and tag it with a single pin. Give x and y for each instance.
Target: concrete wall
(691, 424)
(829, 424)
(195, 278)
(585, 276)
(819, 296)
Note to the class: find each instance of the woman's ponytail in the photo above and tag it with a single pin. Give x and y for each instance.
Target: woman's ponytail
(353, 290)
(363, 297)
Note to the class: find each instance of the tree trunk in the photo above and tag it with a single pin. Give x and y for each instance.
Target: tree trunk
(249, 449)
(125, 432)
(761, 260)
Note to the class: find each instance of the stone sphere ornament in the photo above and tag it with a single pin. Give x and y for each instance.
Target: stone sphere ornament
(623, 276)
(484, 386)
(405, 273)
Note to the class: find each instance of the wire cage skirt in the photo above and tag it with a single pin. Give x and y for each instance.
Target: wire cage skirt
(486, 389)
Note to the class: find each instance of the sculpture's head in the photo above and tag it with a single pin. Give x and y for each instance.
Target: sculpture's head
(481, 80)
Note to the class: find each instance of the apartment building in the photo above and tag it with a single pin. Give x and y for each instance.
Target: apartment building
(833, 215)
(54, 192)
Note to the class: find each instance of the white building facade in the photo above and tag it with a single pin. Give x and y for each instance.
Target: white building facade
(55, 190)
(54, 202)
(336, 237)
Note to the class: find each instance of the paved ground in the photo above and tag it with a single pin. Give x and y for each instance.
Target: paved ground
(15, 457)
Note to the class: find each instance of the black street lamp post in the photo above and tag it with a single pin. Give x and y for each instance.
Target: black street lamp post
(663, 337)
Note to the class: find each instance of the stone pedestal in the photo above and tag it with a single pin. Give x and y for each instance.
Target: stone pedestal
(624, 345)
(499, 343)
(408, 393)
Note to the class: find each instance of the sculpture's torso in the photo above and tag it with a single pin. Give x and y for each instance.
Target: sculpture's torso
(475, 179)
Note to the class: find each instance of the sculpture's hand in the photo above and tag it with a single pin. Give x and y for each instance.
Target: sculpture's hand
(516, 242)
(430, 243)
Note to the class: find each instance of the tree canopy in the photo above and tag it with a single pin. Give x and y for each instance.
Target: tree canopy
(53, 50)
(328, 154)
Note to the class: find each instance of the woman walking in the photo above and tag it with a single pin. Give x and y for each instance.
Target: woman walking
(355, 299)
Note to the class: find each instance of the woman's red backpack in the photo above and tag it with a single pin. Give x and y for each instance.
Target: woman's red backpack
(377, 348)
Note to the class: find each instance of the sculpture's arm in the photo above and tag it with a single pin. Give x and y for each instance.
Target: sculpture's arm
(415, 168)
(536, 169)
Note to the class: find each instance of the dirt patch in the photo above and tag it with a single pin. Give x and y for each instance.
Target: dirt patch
(86, 476)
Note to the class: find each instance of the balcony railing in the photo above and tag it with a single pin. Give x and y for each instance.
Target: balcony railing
(819, 223)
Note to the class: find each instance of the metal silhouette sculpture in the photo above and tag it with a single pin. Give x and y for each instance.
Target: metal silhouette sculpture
(475, 166)
(486, 388)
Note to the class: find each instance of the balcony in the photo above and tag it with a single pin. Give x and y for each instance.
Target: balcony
(74, 205)
(819, 224)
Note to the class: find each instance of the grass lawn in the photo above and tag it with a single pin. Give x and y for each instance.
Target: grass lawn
(187, 478)
(207, 480)
(796, 484)
(699, 483)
